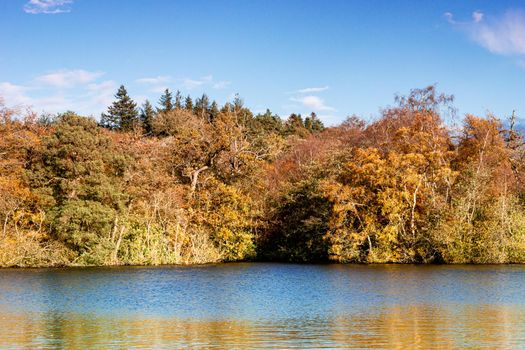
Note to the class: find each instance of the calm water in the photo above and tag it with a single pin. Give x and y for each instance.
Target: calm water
(264, 306)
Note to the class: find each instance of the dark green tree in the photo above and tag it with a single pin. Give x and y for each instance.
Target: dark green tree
(297, 230)
(122, 114)
(147, 114)
(295, 125)
(313, 123)
(78, 178)
(266, 123)
(165, 102)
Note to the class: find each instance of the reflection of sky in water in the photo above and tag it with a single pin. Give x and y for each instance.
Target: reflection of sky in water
(265, 305)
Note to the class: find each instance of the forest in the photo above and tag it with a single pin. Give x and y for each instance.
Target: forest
(191, 182)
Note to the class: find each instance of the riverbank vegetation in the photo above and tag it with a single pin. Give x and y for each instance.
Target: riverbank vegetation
(193, 182)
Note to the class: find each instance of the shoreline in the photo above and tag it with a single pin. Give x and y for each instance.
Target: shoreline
(64, 267)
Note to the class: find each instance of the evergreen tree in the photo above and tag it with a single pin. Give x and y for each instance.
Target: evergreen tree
(295, 125)
(266, 123)
(147, 114)
(238, 103)
(80, 178)
(188, 103)
(178, 100)
(122, 114)
(313, 124)
(165, 102)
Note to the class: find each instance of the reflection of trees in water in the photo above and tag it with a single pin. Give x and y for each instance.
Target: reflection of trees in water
(425, 327)
(395, 327)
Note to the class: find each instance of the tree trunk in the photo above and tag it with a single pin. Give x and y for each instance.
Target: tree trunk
(194, 176)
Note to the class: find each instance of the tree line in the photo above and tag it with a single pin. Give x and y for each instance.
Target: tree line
(193, 182)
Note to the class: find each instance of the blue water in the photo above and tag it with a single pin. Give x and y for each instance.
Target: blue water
(259, 305)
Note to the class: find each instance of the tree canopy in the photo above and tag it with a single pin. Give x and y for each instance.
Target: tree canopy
(195, 182)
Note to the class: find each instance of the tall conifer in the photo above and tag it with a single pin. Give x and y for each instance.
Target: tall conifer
(147, 114)
(166, 102)
(122, 114)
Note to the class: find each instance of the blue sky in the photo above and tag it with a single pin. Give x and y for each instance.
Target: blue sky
(336, 58)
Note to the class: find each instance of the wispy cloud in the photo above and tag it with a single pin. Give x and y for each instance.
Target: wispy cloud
(190, 84)
(503, 35)
(311, 90)
(206, 81)
(27, 96)
(102, 93)
(68, 78)
(159, 83)
(78, 90)
(161, 79)
(477, 16)
(48, 6)
(14, 94)
(314, 103)
(87, 92)
(221, 84)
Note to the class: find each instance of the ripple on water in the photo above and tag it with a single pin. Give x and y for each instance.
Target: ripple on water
(264, 306)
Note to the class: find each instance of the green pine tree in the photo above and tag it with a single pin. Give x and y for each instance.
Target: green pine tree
(313, 124)
(147, 114)
(122, 114)
(165, 102)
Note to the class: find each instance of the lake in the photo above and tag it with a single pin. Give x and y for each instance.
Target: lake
(264, 305)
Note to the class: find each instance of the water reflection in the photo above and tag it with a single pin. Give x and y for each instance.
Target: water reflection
(421, 327)
(264, 306)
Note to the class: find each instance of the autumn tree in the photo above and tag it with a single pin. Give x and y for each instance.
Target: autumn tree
(202, 106)
(485, 217)
(391, 193)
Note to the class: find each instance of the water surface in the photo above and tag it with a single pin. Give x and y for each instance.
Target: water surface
(256, 305)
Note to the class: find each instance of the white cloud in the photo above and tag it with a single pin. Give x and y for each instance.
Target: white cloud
(330, 119)
(47, 6)
(85, 92)
(68, 78)
(56, 103)
(59, 92)
(13, 94)
(221, 85)
(312, 90)
(103, 86)
(203, 82)
(17, 96)
(503, 35)
(312, 102)
(160, 83)
(161, 79)
(102, 93)
(450, 17)
(190, 84)
(477, 16)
